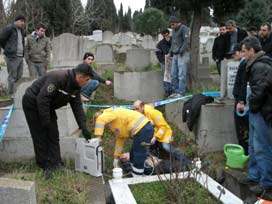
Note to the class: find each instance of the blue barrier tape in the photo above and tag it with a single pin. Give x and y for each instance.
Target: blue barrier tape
(155, 104)
(5, 121)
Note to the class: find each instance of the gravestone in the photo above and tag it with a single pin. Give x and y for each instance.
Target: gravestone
(104, 54)
(148, 42)
(65, 50)
(97, 35)
(107, 37)
(17, 143)
(131, 86)
(137, 59)
(125, 39)
(214, 127)
(14, 191)
(153, 57)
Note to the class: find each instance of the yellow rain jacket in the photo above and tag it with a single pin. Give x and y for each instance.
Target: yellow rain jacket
(122, 122)
(162, 131)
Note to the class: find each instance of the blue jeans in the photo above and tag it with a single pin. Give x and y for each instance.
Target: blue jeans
(260, 150)
(178, 72)
(166, 85)
(90, 87)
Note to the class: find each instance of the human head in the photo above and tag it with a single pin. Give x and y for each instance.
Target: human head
(265, 30)
(236, 53)
(88, 58)
(250, 46)
(19, 21)
(139, 106)
(83, 74)
(222, 29)
(174, 22)
(166, 34)
(40, 30)
(252, 31)
(230, 26)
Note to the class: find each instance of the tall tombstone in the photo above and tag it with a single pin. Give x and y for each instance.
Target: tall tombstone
(125, 39)
(97, 35)
(148, 42)
(65, 51)
(228, 73)
(104, 54)
(107, 37)
(137, 59)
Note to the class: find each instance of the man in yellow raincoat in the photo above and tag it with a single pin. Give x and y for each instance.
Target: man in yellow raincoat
(126, 123)
(162, 131)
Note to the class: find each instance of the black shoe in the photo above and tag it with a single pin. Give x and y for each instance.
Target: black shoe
(248, 181)
(260, 191)
(48, 172)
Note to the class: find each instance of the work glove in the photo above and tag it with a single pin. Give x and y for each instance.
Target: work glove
(116, 163)
(86, 134)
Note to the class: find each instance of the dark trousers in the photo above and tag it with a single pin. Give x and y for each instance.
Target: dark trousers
(45, 140)
(242, 129)
(138, 152)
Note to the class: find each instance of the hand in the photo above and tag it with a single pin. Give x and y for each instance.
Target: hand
(87, 135)
(153, 140)
(108, 82)
(116, 163)
(240, 107)
(124, 157)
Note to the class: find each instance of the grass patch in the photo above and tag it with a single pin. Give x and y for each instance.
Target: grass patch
(66, 187)
(213, 69)
(187, 191)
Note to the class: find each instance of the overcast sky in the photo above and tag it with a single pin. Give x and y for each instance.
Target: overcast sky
(134, 4)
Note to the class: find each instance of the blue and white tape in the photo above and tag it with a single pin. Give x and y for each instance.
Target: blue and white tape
(155, 104)
(4, 123)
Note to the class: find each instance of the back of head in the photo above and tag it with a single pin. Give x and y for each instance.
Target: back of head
(84, 69)
(173, 19)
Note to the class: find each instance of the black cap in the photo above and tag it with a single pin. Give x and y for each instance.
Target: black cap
(173, 19)
(236, 48)
(19, 17)
(84, 69)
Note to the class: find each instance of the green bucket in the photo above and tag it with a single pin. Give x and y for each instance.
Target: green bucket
(236, 157)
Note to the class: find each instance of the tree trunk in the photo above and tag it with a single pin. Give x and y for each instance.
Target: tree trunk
(2, 14)
(194, 51)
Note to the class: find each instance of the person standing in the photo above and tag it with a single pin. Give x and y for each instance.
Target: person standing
(259, 76)
(40, 101)
(12, 41)
(37, 52)
(218, 52)
(180, 50)
(162, 50)
(265, 38)
(233, 36)
(93, 84)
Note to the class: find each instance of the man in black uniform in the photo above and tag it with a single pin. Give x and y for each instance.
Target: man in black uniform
(41, 99)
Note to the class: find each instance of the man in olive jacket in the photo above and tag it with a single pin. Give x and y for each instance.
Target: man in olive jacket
(12, 41)
(37, 51)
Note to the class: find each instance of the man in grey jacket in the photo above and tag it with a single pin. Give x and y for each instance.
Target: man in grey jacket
(12, 41)
(37, 51)
(180, 50)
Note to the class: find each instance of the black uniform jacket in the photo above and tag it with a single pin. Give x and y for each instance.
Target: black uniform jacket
(52, 91)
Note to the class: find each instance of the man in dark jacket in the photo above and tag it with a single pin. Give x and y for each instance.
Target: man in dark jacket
(233, 36)
(12, 41)
(48, 93)
(162, 50)
(259, 72)
(93, 84)
(265, 38)
(241, 122)
(218, 51)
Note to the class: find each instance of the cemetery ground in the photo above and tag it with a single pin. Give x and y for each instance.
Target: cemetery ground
(70, 187)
